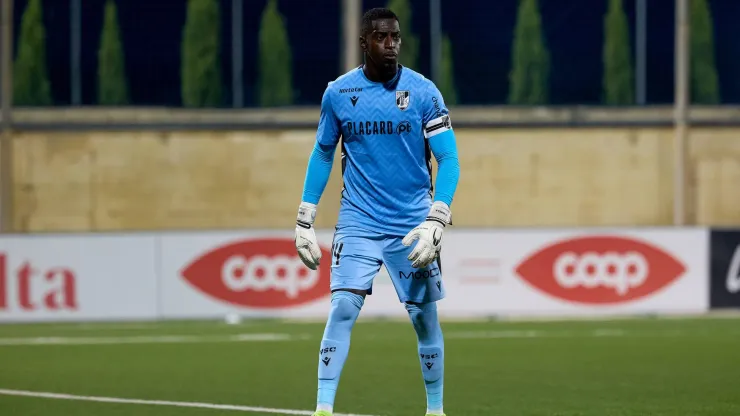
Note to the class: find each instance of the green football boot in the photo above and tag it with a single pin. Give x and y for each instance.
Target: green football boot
(322, 413)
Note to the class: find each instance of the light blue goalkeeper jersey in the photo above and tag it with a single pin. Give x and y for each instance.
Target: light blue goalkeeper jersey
(387, 133)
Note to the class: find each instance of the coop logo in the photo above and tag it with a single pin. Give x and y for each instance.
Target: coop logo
(260, 273)
(600, 270)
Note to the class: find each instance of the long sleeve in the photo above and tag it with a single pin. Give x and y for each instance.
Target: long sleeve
(444, 148)
(322, 156)
(318, 172)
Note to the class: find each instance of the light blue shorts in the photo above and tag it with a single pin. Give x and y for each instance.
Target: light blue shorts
(358, 254)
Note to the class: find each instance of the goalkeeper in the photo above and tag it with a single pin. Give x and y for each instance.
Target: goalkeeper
(391, 121)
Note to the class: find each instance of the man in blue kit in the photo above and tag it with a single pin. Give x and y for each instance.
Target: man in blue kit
(391, 121)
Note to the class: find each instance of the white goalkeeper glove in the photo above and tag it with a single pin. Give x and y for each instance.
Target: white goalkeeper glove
(305, 236)
(429, 234)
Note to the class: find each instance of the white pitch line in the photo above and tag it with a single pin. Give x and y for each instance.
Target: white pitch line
(534, 333)
(251, 409)
(154, 339)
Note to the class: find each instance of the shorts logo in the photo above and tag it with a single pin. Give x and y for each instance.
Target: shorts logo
(402, 100)
(419, 274)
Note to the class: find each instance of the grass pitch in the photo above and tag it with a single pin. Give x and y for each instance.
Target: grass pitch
(631, 367)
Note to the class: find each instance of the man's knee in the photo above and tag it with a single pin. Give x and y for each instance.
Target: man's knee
(360, 292)
(346, 305)
(422, 314)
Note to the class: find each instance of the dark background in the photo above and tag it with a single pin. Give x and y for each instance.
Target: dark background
(480, 30)
(723, 243)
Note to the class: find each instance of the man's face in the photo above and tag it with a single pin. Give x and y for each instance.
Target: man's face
(384, 43)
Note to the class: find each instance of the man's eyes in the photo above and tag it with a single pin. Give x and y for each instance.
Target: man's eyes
(381, 36)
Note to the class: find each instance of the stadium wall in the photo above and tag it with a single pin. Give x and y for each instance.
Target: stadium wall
(108, 180)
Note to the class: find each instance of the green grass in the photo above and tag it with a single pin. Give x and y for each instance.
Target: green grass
(656, 367)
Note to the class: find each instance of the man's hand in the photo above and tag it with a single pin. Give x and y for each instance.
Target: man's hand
(305, 237)
(429, 234)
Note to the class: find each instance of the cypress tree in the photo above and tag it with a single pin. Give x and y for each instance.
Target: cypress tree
(275, 84)
(31, 86)
(447, 74)
(112, 86)
(618, 73)
(704, 80)
(409, 56)
(201, 65)
(530, 59)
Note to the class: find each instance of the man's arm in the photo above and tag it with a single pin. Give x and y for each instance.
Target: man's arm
(317, 173)
(438, 132)
(322, 157)
(317, 176)
(444, 147)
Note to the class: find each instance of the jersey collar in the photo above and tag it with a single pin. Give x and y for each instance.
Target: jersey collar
(391, 84)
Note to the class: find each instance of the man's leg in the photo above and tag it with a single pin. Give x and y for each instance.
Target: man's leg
(356, 259)
(431, 352)
(419, 290)
(345, 308)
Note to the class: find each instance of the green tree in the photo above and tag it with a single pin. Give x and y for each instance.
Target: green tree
(529, 76)
(409, 56)
(447, 74)
(112, 86)
(31, 85)
(201, 64)
(275, 83)
(618, 73)
(704, 80)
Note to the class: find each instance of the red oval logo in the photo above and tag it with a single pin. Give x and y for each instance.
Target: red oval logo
(264, 273)
(600, 269)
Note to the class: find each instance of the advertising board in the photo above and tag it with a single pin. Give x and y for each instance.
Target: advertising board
(77, 277)
(486, 273)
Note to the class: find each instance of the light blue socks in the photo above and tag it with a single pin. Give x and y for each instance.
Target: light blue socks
(431, 352)
(345, 308)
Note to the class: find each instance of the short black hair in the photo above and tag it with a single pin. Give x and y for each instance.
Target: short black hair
(375, 14)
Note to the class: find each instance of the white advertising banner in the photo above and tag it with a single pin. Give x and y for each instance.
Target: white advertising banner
(77, 277)
(575, 272)
(251, 273)
(486, 273)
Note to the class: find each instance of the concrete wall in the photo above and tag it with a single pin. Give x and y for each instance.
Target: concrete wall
(104, 181)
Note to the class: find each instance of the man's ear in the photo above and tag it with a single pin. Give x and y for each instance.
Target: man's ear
(363, 44)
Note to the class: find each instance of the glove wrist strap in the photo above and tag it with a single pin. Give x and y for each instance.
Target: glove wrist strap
(306, 214)
(441, 213)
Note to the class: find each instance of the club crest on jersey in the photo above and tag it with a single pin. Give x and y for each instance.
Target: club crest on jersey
(402, 100)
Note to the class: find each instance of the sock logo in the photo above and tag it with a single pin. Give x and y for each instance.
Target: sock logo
(327, 350)
(428, 356)
(439, 285)
(429, 365)
(326, 360)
